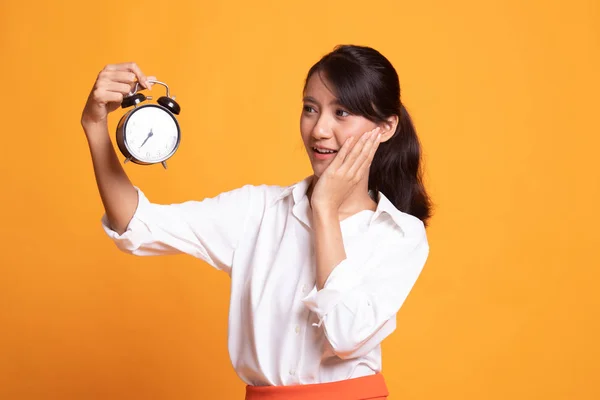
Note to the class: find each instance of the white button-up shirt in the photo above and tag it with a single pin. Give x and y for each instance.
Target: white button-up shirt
(282, 331)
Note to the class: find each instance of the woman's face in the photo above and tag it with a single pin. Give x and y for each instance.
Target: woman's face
(325, 124)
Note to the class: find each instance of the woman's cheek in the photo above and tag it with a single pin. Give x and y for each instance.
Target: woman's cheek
(305, 129)
(353, 129)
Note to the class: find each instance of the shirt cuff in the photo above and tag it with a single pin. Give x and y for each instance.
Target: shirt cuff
(136, 231)
(339, 284)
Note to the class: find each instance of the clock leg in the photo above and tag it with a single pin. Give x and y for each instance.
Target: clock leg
(127, 160)
(164, 164)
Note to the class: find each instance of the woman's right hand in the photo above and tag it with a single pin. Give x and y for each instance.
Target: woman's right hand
(112, 84)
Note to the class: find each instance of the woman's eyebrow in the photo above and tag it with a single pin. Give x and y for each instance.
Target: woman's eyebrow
(310, 99)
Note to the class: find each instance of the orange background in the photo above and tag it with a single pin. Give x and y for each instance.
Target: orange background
(504, 95)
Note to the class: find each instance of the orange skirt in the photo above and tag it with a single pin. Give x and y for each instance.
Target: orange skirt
(371, 387)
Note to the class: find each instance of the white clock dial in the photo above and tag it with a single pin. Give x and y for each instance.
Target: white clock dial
(151, 134)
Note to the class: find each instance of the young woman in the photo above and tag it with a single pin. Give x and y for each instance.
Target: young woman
(320, 268)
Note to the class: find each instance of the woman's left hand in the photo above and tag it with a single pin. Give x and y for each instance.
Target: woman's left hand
(348, 168)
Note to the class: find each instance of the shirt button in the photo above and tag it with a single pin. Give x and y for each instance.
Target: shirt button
(297, 329)
(292, 371)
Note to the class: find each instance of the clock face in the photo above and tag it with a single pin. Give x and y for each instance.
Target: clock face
(151, 134)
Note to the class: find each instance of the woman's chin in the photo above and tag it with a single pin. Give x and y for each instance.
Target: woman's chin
(319, 167)
(318, 170)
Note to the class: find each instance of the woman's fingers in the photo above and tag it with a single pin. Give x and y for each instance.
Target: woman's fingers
(120, 80)
(113, 83)
(358, 154)
(103, 96)
(128, 73)
(129, 67)
(370, 149)
(355, 171)
(342, 153)
(118, 87)
(119, 76)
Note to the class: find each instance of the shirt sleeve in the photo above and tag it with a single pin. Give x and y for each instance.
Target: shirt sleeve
(209, 229)
(358, 304)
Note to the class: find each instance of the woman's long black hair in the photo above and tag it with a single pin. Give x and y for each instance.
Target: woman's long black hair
(367, 84)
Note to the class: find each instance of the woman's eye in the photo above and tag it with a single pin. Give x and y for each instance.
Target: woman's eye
(309, 109)
(342, 113)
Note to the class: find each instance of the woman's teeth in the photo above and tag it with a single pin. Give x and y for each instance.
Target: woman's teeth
(322, 151)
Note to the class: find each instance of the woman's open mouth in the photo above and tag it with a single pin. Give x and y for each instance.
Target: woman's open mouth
(323, 154)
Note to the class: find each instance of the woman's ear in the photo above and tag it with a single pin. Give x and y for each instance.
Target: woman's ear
(388, 128)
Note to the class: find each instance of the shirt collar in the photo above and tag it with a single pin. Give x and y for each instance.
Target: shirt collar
(297, 190)
(384, 205)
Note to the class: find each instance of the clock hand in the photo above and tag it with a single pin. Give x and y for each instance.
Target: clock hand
(147, 137)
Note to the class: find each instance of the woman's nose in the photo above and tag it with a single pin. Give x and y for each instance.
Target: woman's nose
(322, 130)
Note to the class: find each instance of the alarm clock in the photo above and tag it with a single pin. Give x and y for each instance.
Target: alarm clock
(149, 133)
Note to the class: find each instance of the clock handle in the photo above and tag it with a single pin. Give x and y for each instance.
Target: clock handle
(166, 101)
(137, 85)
